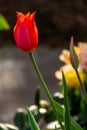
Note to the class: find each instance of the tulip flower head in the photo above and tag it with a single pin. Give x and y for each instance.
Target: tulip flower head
(69, 75)
(26, 32)
(69, 72)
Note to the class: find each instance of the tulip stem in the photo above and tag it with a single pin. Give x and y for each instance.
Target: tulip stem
(81, 83)
(46, 89)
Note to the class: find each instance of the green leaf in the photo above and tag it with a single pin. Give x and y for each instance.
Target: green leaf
(20, 118)
(60, 110)
(32, 121)
(3, 23)
(67, 119)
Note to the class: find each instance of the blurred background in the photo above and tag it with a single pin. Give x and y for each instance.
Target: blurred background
(57, 21)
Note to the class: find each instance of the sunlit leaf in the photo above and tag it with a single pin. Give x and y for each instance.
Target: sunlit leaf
(3, 23)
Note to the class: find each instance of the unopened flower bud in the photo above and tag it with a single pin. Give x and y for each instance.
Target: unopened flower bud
(73, 56)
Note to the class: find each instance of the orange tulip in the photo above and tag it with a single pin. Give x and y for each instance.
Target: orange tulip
(26, 32)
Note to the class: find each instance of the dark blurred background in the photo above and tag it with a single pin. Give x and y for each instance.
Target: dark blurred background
(57, 21)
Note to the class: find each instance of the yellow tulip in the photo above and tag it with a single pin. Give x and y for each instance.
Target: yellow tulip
(72, 80)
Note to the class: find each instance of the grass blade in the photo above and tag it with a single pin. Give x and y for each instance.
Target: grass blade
(67, 119)
(32, 122)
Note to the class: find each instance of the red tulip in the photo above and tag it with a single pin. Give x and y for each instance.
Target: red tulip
(26, 32)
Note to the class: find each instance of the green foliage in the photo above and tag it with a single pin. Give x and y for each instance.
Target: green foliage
(3, 23)
(37, 97)
(20, 118)
(22, 122)
(75, 125)
(74, 100)
(83, 119)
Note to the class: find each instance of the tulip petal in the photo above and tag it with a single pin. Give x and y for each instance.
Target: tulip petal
(26, 32)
